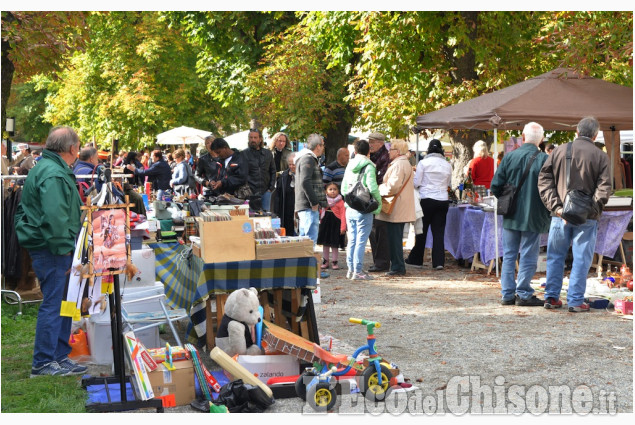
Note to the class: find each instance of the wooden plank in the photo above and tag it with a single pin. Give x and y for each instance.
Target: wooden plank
(295, 305)
(237, 370)
(277, 296)
(220, 307)
(264, 302)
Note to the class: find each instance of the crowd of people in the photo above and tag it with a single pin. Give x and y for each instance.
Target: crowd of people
(310, 202)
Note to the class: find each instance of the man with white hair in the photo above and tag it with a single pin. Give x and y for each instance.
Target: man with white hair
(529, 218)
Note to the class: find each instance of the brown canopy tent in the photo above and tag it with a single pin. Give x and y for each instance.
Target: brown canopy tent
(557, 100)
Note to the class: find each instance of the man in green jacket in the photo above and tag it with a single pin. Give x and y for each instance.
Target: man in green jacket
(47, 222)
(522, 229)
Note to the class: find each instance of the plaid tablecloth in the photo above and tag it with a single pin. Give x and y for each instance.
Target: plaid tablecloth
(468, 231)
(189, 282)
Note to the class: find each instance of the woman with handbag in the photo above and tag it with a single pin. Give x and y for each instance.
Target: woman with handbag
(180, 175)
(397, 192)
(359, 222)
(432, 179)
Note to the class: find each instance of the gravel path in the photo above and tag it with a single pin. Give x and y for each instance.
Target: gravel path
(447, 327)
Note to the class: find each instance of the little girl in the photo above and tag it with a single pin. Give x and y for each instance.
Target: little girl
(332, 226)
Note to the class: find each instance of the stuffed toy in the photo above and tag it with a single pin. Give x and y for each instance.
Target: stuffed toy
(241, 313)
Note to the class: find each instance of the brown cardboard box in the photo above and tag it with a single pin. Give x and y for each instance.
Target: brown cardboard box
(223, 241)
(285, 250)
(179, 382)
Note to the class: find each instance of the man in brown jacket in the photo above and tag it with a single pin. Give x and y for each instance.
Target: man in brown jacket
(589, 172)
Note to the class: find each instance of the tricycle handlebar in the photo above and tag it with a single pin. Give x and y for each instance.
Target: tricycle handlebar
(369, 324)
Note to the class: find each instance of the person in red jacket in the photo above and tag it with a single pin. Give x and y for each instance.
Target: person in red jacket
(482, 165)
(332, 226)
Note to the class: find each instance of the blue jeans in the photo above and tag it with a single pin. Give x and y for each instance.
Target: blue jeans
(560, 237)
(528, 243)
(358, 226)
(266, 201)
(52, 331)
(309, 223)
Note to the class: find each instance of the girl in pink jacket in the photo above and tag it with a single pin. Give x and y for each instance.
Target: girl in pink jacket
(332, 226)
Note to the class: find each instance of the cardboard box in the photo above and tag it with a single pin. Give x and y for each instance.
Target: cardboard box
(223, 241)
(233, 210)
(542, 262)
(179, 382)
(270, 366)
(285, 250)
(624, 307)
(144, 259)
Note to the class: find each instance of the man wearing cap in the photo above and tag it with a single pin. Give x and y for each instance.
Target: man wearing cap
(25, 161)
(522, 229)
(379, 233)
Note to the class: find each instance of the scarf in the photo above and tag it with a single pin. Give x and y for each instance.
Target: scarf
(333, 201)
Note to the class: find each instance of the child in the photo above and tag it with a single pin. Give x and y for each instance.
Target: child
(332, 226)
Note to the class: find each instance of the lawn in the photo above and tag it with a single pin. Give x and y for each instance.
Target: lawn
(20, 394)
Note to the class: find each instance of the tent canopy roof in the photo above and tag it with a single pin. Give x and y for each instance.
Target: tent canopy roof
(557, 100)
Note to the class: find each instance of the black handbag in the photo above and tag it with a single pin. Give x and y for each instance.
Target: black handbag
(506, 205)
(359, 197)
(578, 205)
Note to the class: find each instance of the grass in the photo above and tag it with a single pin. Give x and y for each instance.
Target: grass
(20, 394)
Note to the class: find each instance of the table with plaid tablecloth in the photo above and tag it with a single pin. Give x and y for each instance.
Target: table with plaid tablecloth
(189, 282)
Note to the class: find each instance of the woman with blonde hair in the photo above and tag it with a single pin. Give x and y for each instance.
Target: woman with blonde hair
(181, 173)
(398, 188)
(280, 148)
(482, 166)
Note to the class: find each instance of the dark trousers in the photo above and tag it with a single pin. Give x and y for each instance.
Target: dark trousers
(434, 215)
(379, 244)
(395, 243)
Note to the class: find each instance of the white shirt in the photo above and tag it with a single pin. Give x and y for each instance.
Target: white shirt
(229, 158)
(433, 176)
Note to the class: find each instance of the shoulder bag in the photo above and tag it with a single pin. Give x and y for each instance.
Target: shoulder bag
(578, 205)
(359, 197)
(386, 205)
(506, 202)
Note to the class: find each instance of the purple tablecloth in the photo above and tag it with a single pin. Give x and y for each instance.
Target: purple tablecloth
(468, 231)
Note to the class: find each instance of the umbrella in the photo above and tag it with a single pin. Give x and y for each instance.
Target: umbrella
(239, 140)
(557, 100)
(182, 136)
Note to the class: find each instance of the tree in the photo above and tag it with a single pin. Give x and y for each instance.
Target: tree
(27, 104)
(35, 42)
(136, 79)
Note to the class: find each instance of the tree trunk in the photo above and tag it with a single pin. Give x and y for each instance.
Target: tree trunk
(337, 136)
(7, 75)
(462, 151)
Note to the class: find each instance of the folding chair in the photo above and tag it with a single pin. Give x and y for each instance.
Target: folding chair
(153, 318)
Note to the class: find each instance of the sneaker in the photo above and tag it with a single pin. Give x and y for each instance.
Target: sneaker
(395, 273)
(349, 274)
(439, 267)
(362, 276)
(49, 369)
(72, 367)
(410, 263)
(534, 301)
(551, 303)
(509, 302)
(324, 275)
(334, 265)
(584, 307)
(374, 269)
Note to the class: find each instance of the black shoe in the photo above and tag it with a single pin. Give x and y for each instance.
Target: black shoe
(396, 273)
(407, 261)
(509, 302)
(531, 302)
(374, 269)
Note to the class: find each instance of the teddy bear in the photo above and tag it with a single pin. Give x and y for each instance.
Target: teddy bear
(241, 313)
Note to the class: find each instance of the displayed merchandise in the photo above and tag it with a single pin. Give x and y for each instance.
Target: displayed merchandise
(241, 313)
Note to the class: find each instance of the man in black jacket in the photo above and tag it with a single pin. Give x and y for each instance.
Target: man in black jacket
(208, 169)
(234, 169)
(262, 168)
(159, 173)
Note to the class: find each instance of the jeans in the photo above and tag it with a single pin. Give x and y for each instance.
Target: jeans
(160, 193)
(266, 201)
(528, 243)
(395, 245)
(359, 226)
(560, 237)
(309, 224)
(52, 331)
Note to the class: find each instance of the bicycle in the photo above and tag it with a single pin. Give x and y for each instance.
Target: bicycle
(373, 380)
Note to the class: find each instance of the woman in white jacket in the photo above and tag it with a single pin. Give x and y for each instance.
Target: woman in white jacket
(432, 179)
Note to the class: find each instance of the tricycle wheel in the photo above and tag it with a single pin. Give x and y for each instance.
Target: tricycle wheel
(369, 382)
(301, 383)
(321, 397)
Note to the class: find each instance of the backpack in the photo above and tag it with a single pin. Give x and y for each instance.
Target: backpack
(359, 197)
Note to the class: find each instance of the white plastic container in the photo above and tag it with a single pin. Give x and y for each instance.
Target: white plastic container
(144, 259)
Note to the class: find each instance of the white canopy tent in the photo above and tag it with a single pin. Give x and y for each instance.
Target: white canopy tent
(182, 136)
(239, 140)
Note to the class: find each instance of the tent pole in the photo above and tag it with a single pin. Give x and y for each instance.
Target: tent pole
(496, 203)
(612, 169)
(417, 158)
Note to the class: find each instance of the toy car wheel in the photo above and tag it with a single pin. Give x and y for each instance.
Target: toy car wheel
(369, 383)
(301, 383)
(321, 397)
